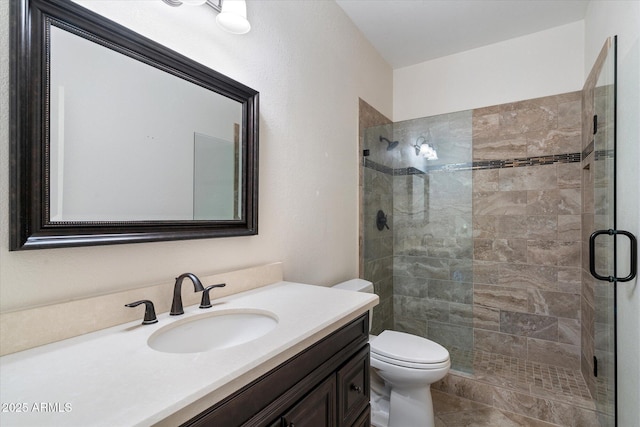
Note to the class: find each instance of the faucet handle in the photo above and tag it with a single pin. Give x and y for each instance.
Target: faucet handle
(149, 311)
(206, 302)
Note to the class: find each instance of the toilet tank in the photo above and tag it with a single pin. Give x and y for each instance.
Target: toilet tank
(358, 285)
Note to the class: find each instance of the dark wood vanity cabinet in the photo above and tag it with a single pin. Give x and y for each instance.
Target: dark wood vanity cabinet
(317, 409)
(325, 385)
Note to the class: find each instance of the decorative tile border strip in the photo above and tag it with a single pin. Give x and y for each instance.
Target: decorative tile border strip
(408, 171)
(528, 161)
(486, 164)
(377, 166)
(605, 154)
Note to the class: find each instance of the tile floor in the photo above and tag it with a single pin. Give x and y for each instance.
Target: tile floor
(538, 376)
(507, 391)
(453, 411)
(525, 375)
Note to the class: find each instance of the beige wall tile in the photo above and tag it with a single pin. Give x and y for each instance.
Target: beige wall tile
(569, 331)
(502, 250)
(495, 342)
(569, 227)
(485, 180)
(558, 304)
(500, 203)
(570, 114)
(486, 317)
(543, 202)
(529, 178)
(553, 141)
(570, 201)
(539, 205)
(569, 253)
(541, 227)
(501, 297)
(570, 175)
(529, 325)
(528, 119)
(553, 353)
(500, 149)
(569, 280)
(528, 276)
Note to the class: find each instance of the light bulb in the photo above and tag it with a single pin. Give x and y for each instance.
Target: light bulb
(233, 17)
(428, 152)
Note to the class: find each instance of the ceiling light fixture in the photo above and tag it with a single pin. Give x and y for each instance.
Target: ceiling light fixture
(176, 3)
(232, 16)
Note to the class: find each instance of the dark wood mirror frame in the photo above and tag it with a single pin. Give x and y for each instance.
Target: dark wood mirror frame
(30, 227)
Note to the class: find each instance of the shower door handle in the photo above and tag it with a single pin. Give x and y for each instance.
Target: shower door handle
(634, 255)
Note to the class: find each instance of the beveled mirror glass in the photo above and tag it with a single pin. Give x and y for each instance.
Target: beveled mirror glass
(117, 139)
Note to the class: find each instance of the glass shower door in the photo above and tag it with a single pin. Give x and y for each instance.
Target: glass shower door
(602, 243)
(602, 256)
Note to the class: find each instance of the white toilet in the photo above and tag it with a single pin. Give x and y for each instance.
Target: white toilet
(407, 365)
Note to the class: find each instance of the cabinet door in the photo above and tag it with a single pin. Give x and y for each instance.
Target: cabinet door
(364, 420)
(317, 409)
(353, 388)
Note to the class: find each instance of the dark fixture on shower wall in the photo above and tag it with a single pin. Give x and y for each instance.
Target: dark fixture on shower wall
(381, 221)
(390, 144)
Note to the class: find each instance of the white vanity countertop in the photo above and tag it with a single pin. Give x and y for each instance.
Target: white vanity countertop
(113, 378)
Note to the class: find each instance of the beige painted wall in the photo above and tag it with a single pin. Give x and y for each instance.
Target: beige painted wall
(540, 64)
(311, 65)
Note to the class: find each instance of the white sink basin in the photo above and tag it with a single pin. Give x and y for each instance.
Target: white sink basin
(213, 331)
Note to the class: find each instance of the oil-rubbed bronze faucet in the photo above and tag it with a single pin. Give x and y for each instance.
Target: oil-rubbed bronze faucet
(205, 302)
(176, 305)
(149, 311)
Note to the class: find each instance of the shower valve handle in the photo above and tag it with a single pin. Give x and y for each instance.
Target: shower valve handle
(381, 221)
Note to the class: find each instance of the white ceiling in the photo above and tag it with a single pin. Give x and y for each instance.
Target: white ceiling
(408, 32)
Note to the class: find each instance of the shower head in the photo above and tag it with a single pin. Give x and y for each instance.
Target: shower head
(390, 144)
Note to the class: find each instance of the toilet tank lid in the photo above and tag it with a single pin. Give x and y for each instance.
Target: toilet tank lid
(358, 285)
(409, 348)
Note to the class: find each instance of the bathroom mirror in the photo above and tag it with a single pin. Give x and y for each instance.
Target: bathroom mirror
(117, 139)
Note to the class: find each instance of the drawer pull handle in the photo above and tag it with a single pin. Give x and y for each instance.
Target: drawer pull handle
(356, 388)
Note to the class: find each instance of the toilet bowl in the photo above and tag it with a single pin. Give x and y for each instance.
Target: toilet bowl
(403, 368)
(408, 365)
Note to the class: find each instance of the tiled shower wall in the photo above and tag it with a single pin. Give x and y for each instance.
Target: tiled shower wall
(376, 193)
(433, 246)
(484, 249)
(527, 229)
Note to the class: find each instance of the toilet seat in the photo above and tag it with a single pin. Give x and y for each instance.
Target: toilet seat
(411, 351)
(411, 365)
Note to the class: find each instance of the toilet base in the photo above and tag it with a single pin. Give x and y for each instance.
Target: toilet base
(379, 409)
(409, 408)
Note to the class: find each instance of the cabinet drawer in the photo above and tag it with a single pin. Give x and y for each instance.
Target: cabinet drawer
(353, 387)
